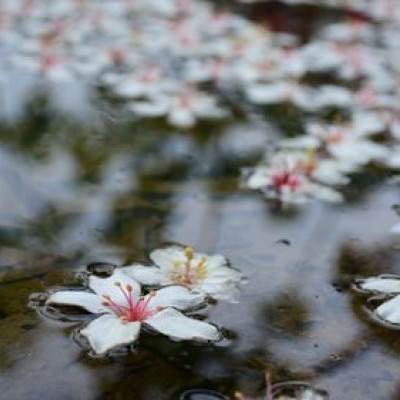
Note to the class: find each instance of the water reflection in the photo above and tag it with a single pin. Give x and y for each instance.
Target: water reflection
(79, 184)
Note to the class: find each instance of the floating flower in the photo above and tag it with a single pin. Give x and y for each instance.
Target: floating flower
(287, 179)
(388, 286)
(124, 310)
(207, 275)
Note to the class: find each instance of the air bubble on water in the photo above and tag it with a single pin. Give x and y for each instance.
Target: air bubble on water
(101, 269)
(296, 390)
(202, 394)
(37, 300)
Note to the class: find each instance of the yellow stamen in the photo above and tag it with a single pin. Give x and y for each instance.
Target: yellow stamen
(201, 267)
(129, 288)
(189, 253)
(310, 154)
(117, 284)
(152, 293)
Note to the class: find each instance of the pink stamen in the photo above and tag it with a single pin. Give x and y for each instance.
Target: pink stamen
(186, 99)
(131, 311)
(49, 61)
(334, 137)
(366, 96)
(216, 69)
(183, 6)
(150, 74)
(285, 176)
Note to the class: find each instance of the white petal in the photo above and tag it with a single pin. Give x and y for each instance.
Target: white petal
(108, 331)
(390, 310)
(108, 287)
(303, 142)
(330, 172)
(143, 275)
(89, 301)
(383, 285)
(259, 178)
(182, 118)
(216, 261)
(176, 296)
(149, 108)
(130, 89)
(310, 395)
(222, 283)
(395, 228)
(324, 193)
(171, 322)
(164, 258)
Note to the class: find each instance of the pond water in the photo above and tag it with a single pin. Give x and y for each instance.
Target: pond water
(81, 182)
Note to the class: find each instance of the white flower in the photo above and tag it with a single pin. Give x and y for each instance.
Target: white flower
(274, 93)
(190, 105)
(207, 275)
(347, 143)
(125, 310)
(287, 179)
(388, 311)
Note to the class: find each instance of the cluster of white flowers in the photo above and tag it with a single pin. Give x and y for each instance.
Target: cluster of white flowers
(365, 127)
(180, 280)
(174, 59)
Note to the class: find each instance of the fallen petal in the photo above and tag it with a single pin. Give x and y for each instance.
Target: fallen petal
(108, 332)
(172, 323)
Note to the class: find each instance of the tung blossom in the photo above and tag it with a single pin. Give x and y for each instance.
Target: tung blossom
(124, 310)
(288, 179)
(207, 275)
(388, 311)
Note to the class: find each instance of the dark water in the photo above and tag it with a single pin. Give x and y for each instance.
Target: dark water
(80, 184)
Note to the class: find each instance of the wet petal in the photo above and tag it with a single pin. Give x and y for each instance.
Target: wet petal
(395, 228)
(171, 322)
(164, 258)
(390, 310)
(222, 284)
(310, 395)
(216, 261)
(259, 178)
(108, 332)
(324, 193)
(176, 296)
(383, 285)
(144, 275)
(88, 301)
(182, 118)
(108, 287)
